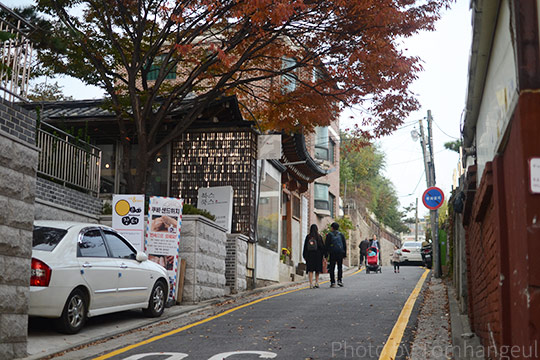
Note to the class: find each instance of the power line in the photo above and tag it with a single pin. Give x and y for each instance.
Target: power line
(416, 187)
(408, 161)
(450, 136)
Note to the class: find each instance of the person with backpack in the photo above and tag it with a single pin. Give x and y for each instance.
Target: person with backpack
(313, 254)
(337, 248)
(364, 244)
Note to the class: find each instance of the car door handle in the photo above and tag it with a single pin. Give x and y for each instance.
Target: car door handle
(123, 266)
(87, 265)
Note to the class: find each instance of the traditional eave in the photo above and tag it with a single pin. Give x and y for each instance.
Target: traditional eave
(101, 122)
(301, 168)
(484, 19)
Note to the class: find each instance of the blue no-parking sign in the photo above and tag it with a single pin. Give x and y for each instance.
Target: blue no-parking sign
(433, 198)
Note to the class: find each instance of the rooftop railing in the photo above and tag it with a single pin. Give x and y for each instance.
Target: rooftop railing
(15, 55)
(67, 160)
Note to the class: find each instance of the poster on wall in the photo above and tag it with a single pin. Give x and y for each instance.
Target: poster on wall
(218, 201)
(128, 218)
(163, 235)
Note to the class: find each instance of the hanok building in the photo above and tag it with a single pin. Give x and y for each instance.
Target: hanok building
(219, 149)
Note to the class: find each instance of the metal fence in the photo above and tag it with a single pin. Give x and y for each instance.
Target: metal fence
(15, 55)
(68, 160)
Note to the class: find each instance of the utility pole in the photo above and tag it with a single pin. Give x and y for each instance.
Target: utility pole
(429, 164)
(416, 225)
(434, 214)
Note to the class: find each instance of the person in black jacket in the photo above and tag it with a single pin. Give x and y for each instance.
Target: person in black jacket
(364, 244)
(337, 248)
(313, 254)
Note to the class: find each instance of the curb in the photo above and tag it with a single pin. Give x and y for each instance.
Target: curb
(466, 344)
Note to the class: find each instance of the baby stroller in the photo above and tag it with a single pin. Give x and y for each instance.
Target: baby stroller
(373, 260)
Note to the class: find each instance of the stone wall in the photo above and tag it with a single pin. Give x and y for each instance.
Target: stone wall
(203, 246)
(236, 262)
(365, 227)
(18, 165)
(66, 198)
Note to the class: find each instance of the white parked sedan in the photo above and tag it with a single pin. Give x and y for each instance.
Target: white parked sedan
(81, 270)
(411, 251)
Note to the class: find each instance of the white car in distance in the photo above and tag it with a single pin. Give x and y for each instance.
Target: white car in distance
(80, 270)
(411, 251)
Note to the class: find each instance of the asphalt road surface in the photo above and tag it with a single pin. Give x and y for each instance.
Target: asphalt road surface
(350, 322)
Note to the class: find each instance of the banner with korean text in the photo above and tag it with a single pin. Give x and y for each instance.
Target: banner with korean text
(163, 235)
(128, 218)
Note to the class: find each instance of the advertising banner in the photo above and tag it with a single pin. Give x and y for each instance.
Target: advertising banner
(218, 201)
(163, 235)
(128, 218)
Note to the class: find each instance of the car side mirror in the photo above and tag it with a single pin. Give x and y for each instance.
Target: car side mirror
(141, 256)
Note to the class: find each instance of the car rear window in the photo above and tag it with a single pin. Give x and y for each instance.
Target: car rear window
(412, 244)
(46, 238)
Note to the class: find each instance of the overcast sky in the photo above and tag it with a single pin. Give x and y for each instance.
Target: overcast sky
(441, 88)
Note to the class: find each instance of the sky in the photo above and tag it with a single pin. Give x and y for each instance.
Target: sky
(441, 88)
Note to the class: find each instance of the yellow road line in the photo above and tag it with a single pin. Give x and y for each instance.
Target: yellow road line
(189, 326)
(394, 340)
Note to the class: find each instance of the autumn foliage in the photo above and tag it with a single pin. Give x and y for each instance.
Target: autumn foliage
(337, 53)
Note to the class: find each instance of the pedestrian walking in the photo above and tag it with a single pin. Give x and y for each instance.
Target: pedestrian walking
(375, 243)
(364, 244)
(337, 249)
(396, 258)
(313, 255)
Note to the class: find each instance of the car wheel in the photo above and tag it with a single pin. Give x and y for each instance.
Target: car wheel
(156, 303)
(74, 314)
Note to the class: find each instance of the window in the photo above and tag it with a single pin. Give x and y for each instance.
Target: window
(296, 207)
(92, 245)
(322, 197)
(316, 75)
(268, 215)
(46, 238)
(321, 143)
(158, 183)
(108, 168)
(332, 200)
(153, 72)
(289, 79)
(119, 248)
(331, 150)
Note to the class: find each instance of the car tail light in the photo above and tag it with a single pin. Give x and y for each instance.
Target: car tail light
(40, 275)
(406, 250)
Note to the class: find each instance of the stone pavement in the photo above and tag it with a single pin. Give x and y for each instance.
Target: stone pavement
(438, 332)
(442, 332)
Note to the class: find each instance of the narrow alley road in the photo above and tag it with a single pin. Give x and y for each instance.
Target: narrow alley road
(352, 322)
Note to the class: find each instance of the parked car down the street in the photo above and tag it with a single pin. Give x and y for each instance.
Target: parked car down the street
(81, 270)
(411, 251)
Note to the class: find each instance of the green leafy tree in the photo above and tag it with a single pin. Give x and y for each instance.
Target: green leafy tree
(47, 92)
(361, 166)
(453, 145)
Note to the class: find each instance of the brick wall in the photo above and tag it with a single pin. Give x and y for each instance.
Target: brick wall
(483, 263)
(500, 219)
(18, 166)
(17, 122)
(236, 262)
(68, 198)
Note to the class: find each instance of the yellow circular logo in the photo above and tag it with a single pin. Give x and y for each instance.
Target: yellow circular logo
(122, 207)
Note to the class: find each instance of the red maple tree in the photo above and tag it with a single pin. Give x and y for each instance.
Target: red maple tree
(293, 63)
